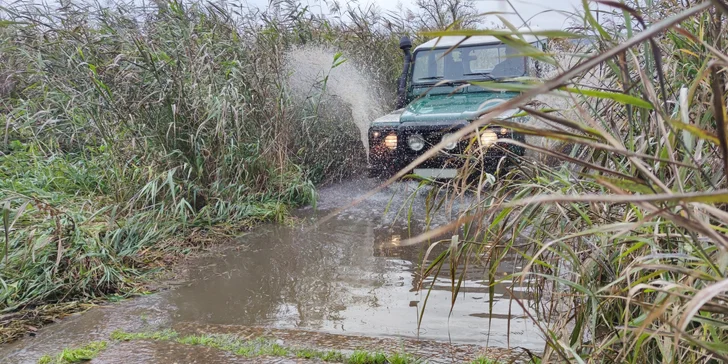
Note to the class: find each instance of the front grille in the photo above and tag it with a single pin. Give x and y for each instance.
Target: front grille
(433, 137)
(432, 133)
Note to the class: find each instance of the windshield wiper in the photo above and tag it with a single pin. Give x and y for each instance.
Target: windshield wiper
(443, 81)
(484, 74)
(430, 78)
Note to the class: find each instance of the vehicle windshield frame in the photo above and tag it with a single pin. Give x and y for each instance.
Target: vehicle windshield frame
(463, 79)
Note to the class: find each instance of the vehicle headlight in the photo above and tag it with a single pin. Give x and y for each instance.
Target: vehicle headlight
(488, 138)
(416, 142)
(451, 145)
(390, 141)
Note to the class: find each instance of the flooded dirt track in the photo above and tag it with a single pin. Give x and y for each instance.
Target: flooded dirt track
(344, 284)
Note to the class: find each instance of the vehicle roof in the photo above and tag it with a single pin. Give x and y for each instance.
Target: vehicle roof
(452, 40)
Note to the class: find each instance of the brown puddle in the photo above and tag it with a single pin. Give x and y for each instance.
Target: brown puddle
(348, 276)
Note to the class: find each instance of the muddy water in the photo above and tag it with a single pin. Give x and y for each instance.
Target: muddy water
(348, 276)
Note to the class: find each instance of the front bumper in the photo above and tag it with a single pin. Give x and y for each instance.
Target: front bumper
(384, 160)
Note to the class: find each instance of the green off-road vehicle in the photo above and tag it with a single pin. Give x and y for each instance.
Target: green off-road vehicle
(436, 98)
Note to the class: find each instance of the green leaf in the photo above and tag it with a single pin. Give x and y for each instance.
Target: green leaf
(593, 22)
(525, 48)
(338, 60)
(522, 87)
(6, 225)
(626, 185)
(692, 129)
(619, 97)
(5, 23)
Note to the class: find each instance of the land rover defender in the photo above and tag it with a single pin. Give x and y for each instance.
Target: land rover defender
(436, 97)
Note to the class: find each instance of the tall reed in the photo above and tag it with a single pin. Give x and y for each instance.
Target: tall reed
(130, 135)
(623, 231)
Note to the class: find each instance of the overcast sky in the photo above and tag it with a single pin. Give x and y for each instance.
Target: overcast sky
(547, 14)
(550, 16)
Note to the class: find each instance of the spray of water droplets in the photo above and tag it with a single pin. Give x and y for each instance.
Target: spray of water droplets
(309, 66)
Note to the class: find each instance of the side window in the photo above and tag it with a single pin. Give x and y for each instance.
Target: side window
(421, 66)
(428, 64)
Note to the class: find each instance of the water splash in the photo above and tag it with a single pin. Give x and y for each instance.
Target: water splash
(346, 83)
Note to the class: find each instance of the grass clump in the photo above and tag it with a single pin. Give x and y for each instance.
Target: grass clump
(403, 358)
(483, 361)
(307, 354)
(265, 347)
(365, 357)
(120, 335)
(332, 356)
(229, 343)
(75, 355)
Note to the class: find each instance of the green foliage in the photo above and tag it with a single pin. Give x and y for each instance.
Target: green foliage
(483, 361)
(365, 357)
(332, 356)
(264, 347)
(120, 335)
(75, 355)
(403, 358)
(135, 134)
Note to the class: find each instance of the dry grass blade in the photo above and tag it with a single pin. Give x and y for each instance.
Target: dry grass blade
(699, 300)
(719, 112)
(576, 161)
(564, 122)
(721, 5)
(6, 230)
(720, 196)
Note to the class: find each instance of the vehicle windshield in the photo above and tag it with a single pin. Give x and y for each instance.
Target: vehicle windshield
(481, 62)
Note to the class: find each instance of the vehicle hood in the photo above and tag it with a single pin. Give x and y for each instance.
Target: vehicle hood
(452, 107)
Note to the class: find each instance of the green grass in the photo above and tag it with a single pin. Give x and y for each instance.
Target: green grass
(75, 355)
(155, 335)
(483, 361)
(332, 356)
(365, 357)
(264, 347)
(403, 358)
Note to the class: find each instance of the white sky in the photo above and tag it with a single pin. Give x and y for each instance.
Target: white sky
(527, 8)
(545, 14)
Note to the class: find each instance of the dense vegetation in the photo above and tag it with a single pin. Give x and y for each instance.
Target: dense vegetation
(622, 229)
(130, 135)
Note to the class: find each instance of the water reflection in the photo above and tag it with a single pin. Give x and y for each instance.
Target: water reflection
(348, 277)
